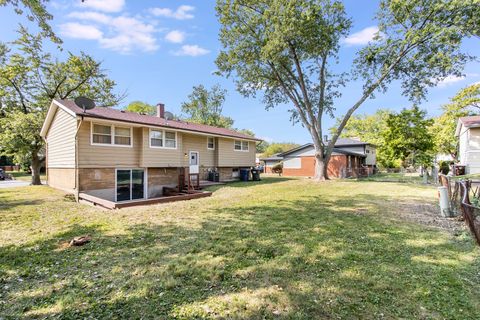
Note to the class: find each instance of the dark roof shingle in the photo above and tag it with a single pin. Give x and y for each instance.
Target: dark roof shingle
(471, 121)
(133, 117)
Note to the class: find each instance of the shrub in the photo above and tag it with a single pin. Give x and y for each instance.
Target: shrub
(278, 168)
(444, 167)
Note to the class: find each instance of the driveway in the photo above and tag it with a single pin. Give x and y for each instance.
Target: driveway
(13, 184)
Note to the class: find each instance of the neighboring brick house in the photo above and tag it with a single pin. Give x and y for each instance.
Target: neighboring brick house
(350, 158)
(119, 156)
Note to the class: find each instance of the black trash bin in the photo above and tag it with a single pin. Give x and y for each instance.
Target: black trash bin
(213, 176)
(255, 174)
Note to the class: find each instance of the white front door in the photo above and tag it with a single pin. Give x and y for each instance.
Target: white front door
(194, 162)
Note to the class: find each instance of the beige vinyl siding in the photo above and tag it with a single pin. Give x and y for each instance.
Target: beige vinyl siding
(228, 157)
(61, 141)
(161, 157)
(95, 156)
(198, 143)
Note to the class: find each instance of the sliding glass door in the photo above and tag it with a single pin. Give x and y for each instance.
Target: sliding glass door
(130, 184)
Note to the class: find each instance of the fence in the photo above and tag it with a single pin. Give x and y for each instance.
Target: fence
(10, 168)
(459, 193)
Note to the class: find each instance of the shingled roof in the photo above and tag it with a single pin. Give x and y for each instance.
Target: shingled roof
(133, 117)
(472, 121)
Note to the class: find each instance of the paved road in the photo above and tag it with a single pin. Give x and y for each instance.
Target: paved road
(13, 184)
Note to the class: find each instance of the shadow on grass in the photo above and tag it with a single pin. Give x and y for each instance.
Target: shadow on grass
(245, 184)
(310, 258)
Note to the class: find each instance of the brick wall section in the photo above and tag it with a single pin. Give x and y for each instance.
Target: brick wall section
(335, 166)
(307, 168)
(159, 178)
(96, 178)
(225, 173)
(61, 178)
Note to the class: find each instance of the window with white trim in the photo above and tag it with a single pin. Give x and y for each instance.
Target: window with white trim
(210, 143)
(163, 139)
(111, 135)
(241, 145)
(170, 139)
(123, 136)
(101, 134)
(156, 138)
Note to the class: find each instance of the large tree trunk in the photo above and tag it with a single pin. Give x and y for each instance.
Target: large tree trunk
(321, 164)
(36, 166)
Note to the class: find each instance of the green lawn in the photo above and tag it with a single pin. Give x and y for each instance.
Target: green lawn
(277, 249)
(396, 177)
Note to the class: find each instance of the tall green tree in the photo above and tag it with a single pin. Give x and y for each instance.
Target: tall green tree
(407, 137)
(205, 106)
(29, 79)
(286, 50)
(370, 128)
(35, 10)
(465, 103)
(278, 147)
(141, 107)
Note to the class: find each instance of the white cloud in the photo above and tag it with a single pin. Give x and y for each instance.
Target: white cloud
(103, 5)
(449, 81)
(122, 34)
(80, 31)
(182, 13)
(191, 50)
(362, 37)
(175, 36)
(91, 15)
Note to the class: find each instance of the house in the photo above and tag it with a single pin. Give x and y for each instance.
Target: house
(468, 133)
(121, 156)
(350, 158)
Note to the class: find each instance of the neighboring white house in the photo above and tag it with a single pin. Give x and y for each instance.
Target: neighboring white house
(468, 133)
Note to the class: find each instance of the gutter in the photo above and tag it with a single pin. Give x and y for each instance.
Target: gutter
(77, 179)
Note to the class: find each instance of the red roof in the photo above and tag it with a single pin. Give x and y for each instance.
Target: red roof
(472, 121)
(133, 117)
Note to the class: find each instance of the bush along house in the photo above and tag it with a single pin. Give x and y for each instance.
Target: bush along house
(350, 158)
(118, 156)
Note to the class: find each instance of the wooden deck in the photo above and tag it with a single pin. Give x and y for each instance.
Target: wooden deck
(141, 202)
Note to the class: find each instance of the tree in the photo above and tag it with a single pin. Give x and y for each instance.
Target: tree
(465, 103)
(370, 128)
(141, 107)
(287, 51)
(205, 106)
(29, 79)
(278, 147)
(37, 11)
(408, 138)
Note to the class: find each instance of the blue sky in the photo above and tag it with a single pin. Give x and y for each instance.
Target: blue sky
(157, 50)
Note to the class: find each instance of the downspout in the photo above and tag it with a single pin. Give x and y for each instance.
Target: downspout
(77, 182)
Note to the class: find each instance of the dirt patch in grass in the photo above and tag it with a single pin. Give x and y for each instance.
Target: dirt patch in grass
(427, 214)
